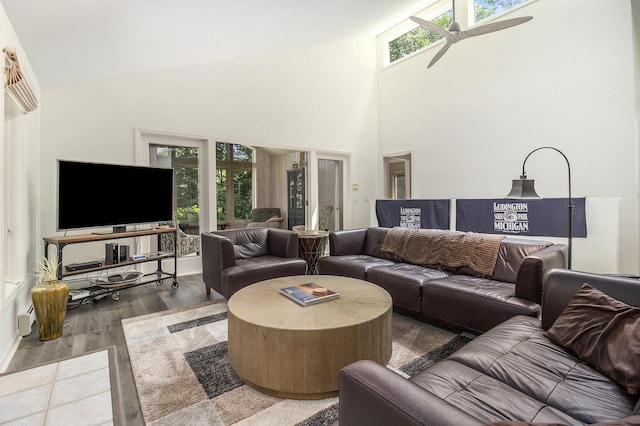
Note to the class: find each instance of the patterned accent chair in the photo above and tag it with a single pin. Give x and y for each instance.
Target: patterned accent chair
(187, 243)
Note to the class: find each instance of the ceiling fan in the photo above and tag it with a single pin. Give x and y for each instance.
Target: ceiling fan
(455, 33)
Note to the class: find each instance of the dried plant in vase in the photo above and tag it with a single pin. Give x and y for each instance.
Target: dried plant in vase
(50, 297)
(48, 268)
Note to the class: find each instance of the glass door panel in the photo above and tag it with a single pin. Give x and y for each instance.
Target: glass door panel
(234, 184)
(296, 198)
(184, 162)
(330, 194)
(242, 194)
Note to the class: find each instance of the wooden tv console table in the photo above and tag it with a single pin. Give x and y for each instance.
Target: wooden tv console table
(95, 292)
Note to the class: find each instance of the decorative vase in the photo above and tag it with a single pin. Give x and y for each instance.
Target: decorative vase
(50, 303)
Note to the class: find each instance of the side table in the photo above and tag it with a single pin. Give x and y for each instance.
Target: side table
(311, 245)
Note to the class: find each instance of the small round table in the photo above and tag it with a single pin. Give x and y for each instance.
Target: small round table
(311, 245)
(291, 351)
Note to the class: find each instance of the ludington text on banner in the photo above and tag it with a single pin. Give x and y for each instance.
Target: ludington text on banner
(413, 213)
(547, 217)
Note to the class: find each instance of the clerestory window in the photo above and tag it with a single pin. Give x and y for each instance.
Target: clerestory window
(417, 38)
(486, 8)
(441, 13)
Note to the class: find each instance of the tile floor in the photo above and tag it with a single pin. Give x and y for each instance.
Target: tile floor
(76, 391)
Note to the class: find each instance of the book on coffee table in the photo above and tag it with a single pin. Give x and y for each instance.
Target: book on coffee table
(309, 294)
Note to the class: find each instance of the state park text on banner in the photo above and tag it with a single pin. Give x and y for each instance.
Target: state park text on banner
(547, 217)
(413, 213)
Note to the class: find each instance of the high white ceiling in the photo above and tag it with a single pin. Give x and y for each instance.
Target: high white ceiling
(73, 40)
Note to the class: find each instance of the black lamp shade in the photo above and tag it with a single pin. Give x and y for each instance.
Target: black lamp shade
(522, 189)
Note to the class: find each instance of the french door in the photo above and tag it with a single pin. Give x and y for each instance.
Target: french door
(330, 194)
(188, 157)
(329, 179)
(186, 205)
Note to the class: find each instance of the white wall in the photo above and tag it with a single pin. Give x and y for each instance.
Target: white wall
(25, 149)
(323, 96)
(564, 79)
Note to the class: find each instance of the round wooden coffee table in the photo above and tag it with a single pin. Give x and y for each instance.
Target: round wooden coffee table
(291, 351)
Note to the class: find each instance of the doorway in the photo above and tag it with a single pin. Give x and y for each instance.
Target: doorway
(188, 157)
(397, 172)
(330, 194)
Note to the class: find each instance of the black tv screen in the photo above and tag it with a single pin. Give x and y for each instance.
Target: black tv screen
(92, 195)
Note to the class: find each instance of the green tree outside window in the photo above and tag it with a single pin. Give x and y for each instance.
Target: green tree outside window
(417, 38)
(184, 162)
(486, 8)
(234, 181)
(420, 37)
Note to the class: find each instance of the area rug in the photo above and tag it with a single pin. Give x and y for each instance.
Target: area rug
(182, 375)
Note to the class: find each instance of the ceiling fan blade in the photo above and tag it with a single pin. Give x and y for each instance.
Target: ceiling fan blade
(494, 26)
(438, 55)
(431, 26)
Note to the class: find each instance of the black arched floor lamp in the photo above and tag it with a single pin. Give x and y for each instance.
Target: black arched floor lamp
(523, 189)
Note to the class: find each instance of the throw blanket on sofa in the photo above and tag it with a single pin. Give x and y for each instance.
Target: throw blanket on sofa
(448, 248)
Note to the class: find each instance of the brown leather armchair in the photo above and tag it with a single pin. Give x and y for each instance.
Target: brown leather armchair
(235, 258)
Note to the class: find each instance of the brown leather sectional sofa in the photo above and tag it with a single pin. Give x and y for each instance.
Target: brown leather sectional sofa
(235, 258)
(512, 373)
(457, 297)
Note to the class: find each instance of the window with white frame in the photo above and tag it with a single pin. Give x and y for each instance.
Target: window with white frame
(419, 37)
(234, 183)
(442, 13)
(486, 8)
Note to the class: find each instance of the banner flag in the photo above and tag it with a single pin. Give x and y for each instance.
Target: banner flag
(412, 213)
(545, 217)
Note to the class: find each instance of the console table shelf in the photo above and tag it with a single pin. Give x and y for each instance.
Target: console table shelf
(94, 292)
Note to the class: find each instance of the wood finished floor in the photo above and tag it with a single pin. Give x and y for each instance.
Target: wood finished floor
(97, 326)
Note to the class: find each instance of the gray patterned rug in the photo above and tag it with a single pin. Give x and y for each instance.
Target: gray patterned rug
(179, 362)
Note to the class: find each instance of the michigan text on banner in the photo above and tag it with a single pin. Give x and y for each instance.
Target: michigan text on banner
(545, 217)
(413, 213)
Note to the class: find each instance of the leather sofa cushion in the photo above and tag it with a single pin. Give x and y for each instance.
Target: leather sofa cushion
(603, 332)
(518, 423)
(404, 281)
(510, 256)
(484, 397)
(373, 244)
(628, 421)
(249, 243)
(518, 354)
(249, 271)
(473, 303)
(354, 266)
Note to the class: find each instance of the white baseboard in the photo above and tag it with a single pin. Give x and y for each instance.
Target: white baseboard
(6, 358)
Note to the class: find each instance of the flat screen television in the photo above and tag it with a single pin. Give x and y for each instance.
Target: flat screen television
(95, 195)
